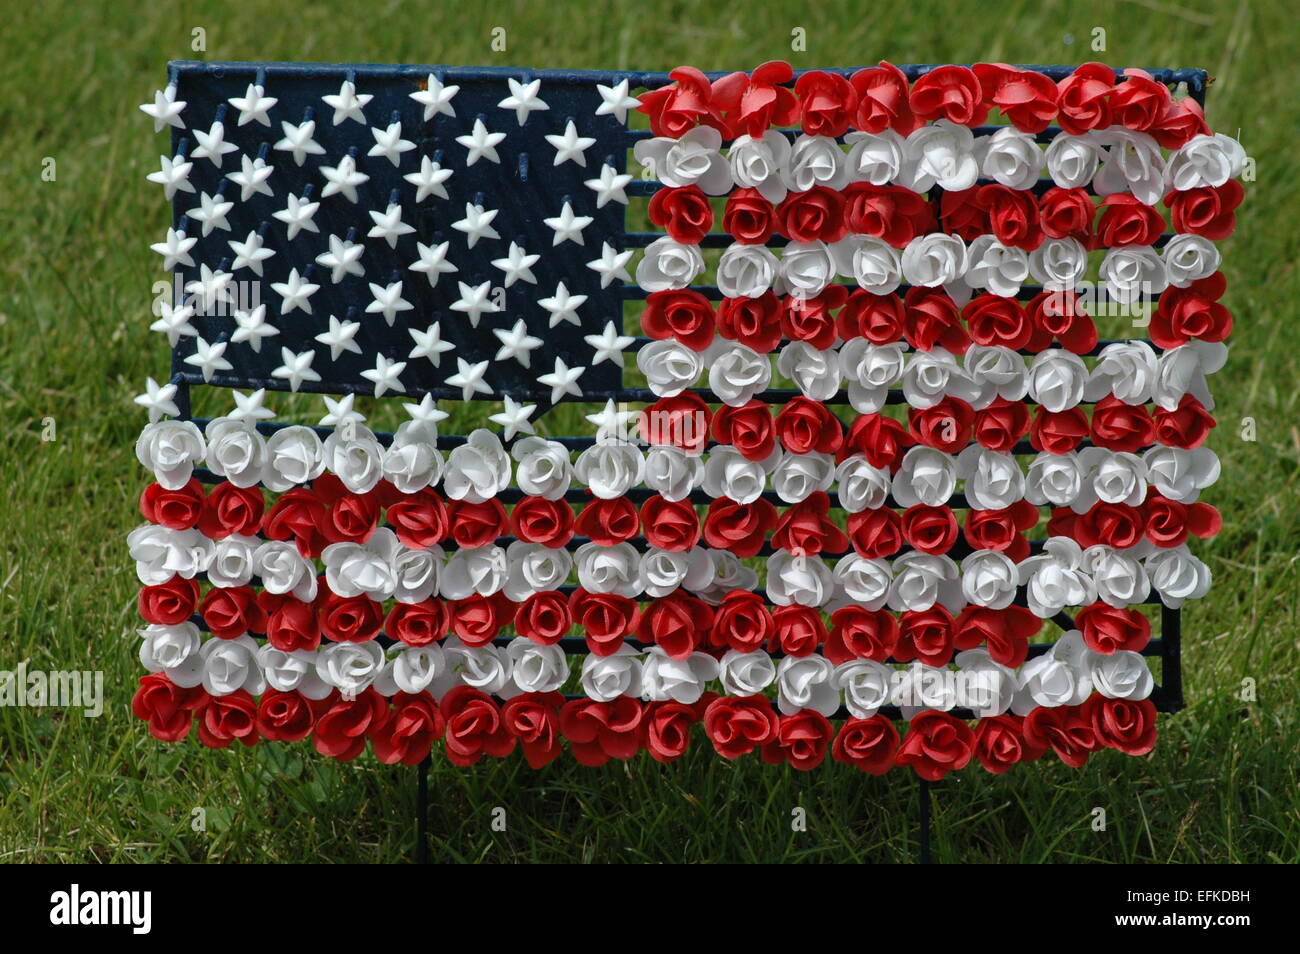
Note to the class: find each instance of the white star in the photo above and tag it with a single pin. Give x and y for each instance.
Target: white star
(474, 301)
(563, 306)
(159, 400)
(428, 181)
(389, 225)
(173, 175)
(476, 224)
(253, 105)
(609, 186)
(567, 226)
(389, 143)
(211, 212)
(342, 259)
(347, 103)
(294, 293)
(299, 140)
(612, 265)
(384, 375)
(523, 99)
(517, 265)
(208, 357)
(339, 337)
(433, 261)
(426, 412)
(209, 289)
(481, 144)
(212, 144)
(436, 98)
(340, 411)
(296, 368)
(611, 422)
(251, 177)
(248, 407)
(388, 302)
(469, 378)
(249, 253)
(165, 110)
(514, 417)
(616, 101)
(563, 380)
(570, 147)
(252, 327)
(343, 178)
(429, 344)
(297, 215)
(174, 322)
(609, 345)
(516, 343)
(176, 249)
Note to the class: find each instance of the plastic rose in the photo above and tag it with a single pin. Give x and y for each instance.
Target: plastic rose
(862, 486)
(1012, 158)
(669, 265)
(694, 159)
(942, 154)
(746, 271)
(544, 469)
(877, 158)
(927, 476)
(174, 651)
(806, 682)
(815, 161)
(610, 470)
(921, 580)
(746, 674)
(815, 373)
(680, 680)
(605, 678)
(615, 569)
(1205, 162)
(1072, 161)
(866, 685)
(757, 164)
(871, 370)
(170, 449)
(294, 455)
(1055, 578)
(284, 570)
(477, 470)
(230, 665)
(353, 454)
(737, 373)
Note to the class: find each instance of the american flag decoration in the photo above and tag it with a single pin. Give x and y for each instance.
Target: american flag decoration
(913, 424)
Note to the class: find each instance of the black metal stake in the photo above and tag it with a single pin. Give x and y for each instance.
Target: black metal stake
(422, 813)
(925, 822)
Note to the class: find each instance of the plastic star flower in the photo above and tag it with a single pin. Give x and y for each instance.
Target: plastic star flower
(523, 99)
(165, 110)
(253, 105)
(158, 400)
(347, 103)
(435, 98)
(513, 417)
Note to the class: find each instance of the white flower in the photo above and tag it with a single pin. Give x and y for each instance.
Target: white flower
(941, 153)
(236, 451)
(354, 569)
(161, 553)
(728, 574)
(866, 685)
(1052, 679)
(815, 160)
(1181, 474)
(537, 668)
(669, 366)
(994, 480)
(353, 454)
(482, 571)
(1178, 576)
(477, 470)
(729, 474)
(1073, 160)
(615, 569)
(921, 580)
(802, 580)
(861, 485)
(605, 678)
(610, 470)
(932, 375)
(757, 164)
(1013, 158)
(413, 462)
(797, 476)
(1189, 258)
(737, 373)
(289, 671)
(679, 680)
(746, 674)
(1120, 675)
(1056, 579)
(1112, 476)
(871, 369)
(877, 158)
(1057, 379)
(535, 567)
(920, 687)
(173, 650)
(1182, 370)
(415, 573)
(864, 581)
(671, 472)
(806, 682)
(230, 665)
(663, 571)
(927, 476)
(486, 668)
(1058, 264)
(815, 373)
(1205, 161)
(1053, 478)
(874, 264)
(170, 449)
(416, 667)
(294, 456)
(694, 159)
(1121, 580)
(1133, 273)
(232, 560)
(806, 267)
(544, 469)
(1000, 268)
(284, 570)
(995, 372)
(668, 265)
(934, 259)
(985, 687)
(746, 271)
(1126, 369)
(1132, 163)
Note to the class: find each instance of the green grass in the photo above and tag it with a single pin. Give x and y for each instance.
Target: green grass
(75, 277)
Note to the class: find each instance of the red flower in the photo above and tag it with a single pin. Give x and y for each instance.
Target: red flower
(878, 318)
(994, 320)
(1108, 629)
(1206, 211)
(170, 603)
(882, 100)
(742, 622)
(1168, 522)
(1067, 213)
(175, 509)
(224, 719)
(408, 730)
(1064, 729)
(348, 619)
(881, 440)
(1013, 215)
(476, 524)
(891, 213)
(1187, 426)
(685, 315)
(860, 633)
(1059, 315)
(929, 529)
(817, 214)
(475, 727)
(684, 213)
(298, 515)
(963, 214)
(1192, 312)
(1002, 530)
(736, 725)
(678, 623)
(343, 724)
(538, 520)
(740, 528)
(876, 533)
(418, 624)
(351, 518)
(936, 743)
(827, 103)
(869, 745)
(805, 425)
(1002, 424)
(167, 707)
(1005, 632)
(230, 509)
(951, 92)
(1000, 743)
(945, 425)
(284, 716)
(600, 731)
(754, 322)
(755, 102)
(927, 635)
(544, 617)
(534, 719)
(801, 739)
(1025, 97)
(609, 522)
(681, 421)
(806, 529)
(1113, 524)
(477, 619)
(932, 319)
(748, 217)
(1121, 427)
(1125, 220)
(1058, 432)
(676, 108)
(1128, 726)
(1181, 121)
(809, 319)
(292, 625)
(799, 630)
(1084, 98)
(748, 428)
(670, 524)
(1139, 102)
(667, 728)
(419, 520)
(232, 611)
(604, 618)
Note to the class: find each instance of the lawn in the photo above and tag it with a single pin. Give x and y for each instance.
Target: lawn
(75, 292)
